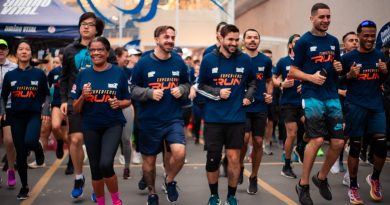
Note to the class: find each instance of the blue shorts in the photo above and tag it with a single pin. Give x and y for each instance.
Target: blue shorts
(151, 140)
(360, 121)
(323, 118)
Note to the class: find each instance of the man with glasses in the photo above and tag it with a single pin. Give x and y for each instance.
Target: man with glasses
(365, 70)
(76, 57)
(316, 63)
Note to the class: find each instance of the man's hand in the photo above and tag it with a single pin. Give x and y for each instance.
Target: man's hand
(157, 94)
(246, 102)
(317, 78)
(338, 67)
(176, 92)
(224, 93)
(355, 70)
(288, 83)
(87, 90)
(192, 94)
(267, 98)
(114, 103)
(382, 66)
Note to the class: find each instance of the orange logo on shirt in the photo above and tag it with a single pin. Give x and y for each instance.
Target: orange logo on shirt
(323, 57)
(24, 94)
(259, 76)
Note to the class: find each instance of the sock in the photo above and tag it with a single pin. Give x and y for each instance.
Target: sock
(287, 163)
(214, 189)
(115, 199)
(231, 191)
(100, 200)
(79, 176)
(353, 182)
(375, 174)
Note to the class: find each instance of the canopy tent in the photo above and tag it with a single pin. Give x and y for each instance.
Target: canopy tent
(37, 19)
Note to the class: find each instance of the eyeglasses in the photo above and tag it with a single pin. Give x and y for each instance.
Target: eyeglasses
(99, 50)
(88, 24)
(367, 23)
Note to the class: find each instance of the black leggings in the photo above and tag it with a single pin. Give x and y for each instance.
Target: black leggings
(102, 145)
(25, 130)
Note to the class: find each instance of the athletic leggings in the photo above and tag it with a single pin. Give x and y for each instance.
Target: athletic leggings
(25, 128)
(127, 133)
(102, 145)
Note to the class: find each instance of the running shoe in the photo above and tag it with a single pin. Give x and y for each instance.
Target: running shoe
(137, 158)
(171, 191)
(34, 165)
(11, 178)
(93, 197)
(346, 179)
(214, 200)
(375, 188)
(121, 159)
(303, 194)
(267, 149)
(299, 153)
(23, 193)
(126, 173)
(323, 187)
(78, 188)
(231, 200)
(252, 187)
(152, 199)
(288, 172)
(142, 184)
(335, 168)
(39, 155)
(354, 196)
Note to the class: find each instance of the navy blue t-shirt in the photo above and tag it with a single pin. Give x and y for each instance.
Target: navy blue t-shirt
(28, 89)
(365, 89)
(151, 72)
(312, 54)
(53, 80)
(219, 72)
(262, 66)
(96, 110)
(128, 72)
(290, 96)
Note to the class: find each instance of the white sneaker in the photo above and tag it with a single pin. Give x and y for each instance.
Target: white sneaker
(267, 149)
(346, 180)
(34, 165)
(335, 168)
(137, 158)
(121, 159)
(85, 153)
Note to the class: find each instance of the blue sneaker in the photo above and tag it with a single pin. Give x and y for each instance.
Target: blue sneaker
(78, 188)
(214, 200)
(171, 190)
(142, 184)
(152, 199)
(231, 200)
(93, 197)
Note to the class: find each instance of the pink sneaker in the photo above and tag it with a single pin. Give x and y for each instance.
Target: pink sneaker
(11, 178)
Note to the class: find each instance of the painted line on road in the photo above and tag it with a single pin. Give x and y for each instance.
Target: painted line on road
(272, 190)
(44, 180)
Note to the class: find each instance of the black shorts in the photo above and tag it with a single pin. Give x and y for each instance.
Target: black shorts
(219, 134)
(291, 113)
(255, 123)
(273, 112)
(187, 111)
(75, 122)
(55, 106)
(6, 122)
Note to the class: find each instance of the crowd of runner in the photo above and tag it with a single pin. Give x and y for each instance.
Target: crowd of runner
(97, 99)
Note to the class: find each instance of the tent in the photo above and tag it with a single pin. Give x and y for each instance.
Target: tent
(38, 19)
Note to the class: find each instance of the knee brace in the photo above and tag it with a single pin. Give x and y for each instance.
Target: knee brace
(379, 146)
(213, 161)
(354, 148)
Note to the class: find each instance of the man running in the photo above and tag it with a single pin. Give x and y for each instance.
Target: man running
(316, 63)
(256, 113)
(365, 70)
(227, 73)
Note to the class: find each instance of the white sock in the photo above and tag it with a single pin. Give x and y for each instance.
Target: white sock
(79, 176)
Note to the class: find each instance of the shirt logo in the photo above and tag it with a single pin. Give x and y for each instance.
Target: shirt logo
(261, 69)
(313, 48)
(113, 85)
(55, 77)
(333, 48)
(13, 83)
(288, 68)
(151, 74)
(175, 73)
(214, 70)
(34, 82)
(74, 87)
(240, 70)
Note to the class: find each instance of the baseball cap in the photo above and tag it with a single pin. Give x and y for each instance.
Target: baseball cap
(133, 51)
(3, 42)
